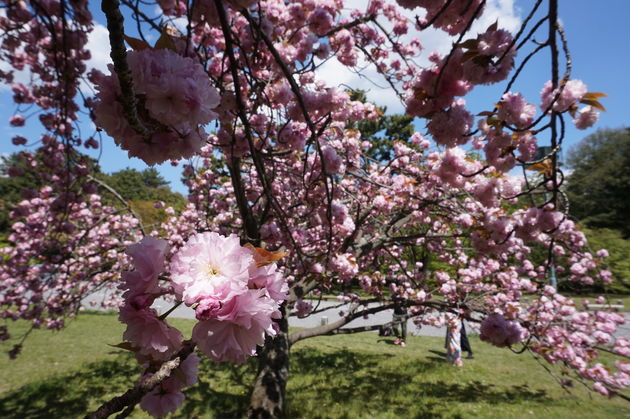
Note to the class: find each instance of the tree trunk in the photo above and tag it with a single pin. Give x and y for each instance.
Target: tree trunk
(268, 395)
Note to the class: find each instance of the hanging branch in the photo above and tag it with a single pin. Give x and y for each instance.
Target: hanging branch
(296, 91)
(350, 25)
(520, 32)
(118, 54)
(438, 79)
(553, 46)
(121, 199)
(434, 18)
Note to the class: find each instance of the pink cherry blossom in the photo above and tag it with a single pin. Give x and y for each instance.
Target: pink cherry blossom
(153, 337)
(515, 111)
(210, 265)
(586, 118)
(148, 259)
(572, 92)
(176, 93)
(498, 331)
(164, 399)
(17, 121)
(303, 308)
(237, 328)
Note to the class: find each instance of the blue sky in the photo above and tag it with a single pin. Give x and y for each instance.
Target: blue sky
(598, 36)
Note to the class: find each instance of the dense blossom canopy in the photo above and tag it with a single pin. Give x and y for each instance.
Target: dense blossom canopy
(286, 198)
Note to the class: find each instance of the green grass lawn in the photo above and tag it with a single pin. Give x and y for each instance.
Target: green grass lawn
(616, 299)
(65, 374)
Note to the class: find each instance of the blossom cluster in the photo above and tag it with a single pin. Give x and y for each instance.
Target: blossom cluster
(498, 331)
(450, 16)
(434, 90)
(566, 98)
(235, 291)
(175, 98)
(292, 164)
(34, 37)
(62, 234)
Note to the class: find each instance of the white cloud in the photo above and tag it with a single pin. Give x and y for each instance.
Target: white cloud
(98, 45)
(503, 11)
(376, 87)
(431, 39)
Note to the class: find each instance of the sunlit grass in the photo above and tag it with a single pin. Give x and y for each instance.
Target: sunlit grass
(65, 374)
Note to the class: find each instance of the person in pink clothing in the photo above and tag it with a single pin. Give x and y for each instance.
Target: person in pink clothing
(453, 340)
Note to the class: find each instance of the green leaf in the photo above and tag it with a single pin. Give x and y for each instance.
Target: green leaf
(136, 44)
(165, 42)
(469, 44)
(125, 345)
(485, 113)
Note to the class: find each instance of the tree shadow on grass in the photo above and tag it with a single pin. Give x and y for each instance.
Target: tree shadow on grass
(74, 394)
(358, 383)
(386, 341)
(476, 391)
(69, 395)
(222, 391)
(373, 385)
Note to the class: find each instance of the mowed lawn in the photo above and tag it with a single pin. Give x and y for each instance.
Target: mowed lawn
(65, 374)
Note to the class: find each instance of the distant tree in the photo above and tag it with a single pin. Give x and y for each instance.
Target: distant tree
(129, 183)
(11, 187)
(619, 260)
(152, 178)
(599, 183)
(141, 188)
(382, 131)
(145, 185)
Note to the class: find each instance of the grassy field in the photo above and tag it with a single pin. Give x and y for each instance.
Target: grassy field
(617, 299)
(65, 374)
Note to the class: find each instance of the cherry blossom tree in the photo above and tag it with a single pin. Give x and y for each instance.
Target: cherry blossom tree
(287, 199)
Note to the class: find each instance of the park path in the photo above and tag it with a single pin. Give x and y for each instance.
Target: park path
(183, 312)
(329, 316)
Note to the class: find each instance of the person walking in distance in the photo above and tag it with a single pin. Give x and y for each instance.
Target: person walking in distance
(464, 343)
(399, 321)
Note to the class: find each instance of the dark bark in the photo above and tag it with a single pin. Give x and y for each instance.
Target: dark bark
(268, 394)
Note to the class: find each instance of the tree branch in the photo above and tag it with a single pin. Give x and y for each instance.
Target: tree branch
(135, 394)
(121, 199)
(118, 54)
(329, 328)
